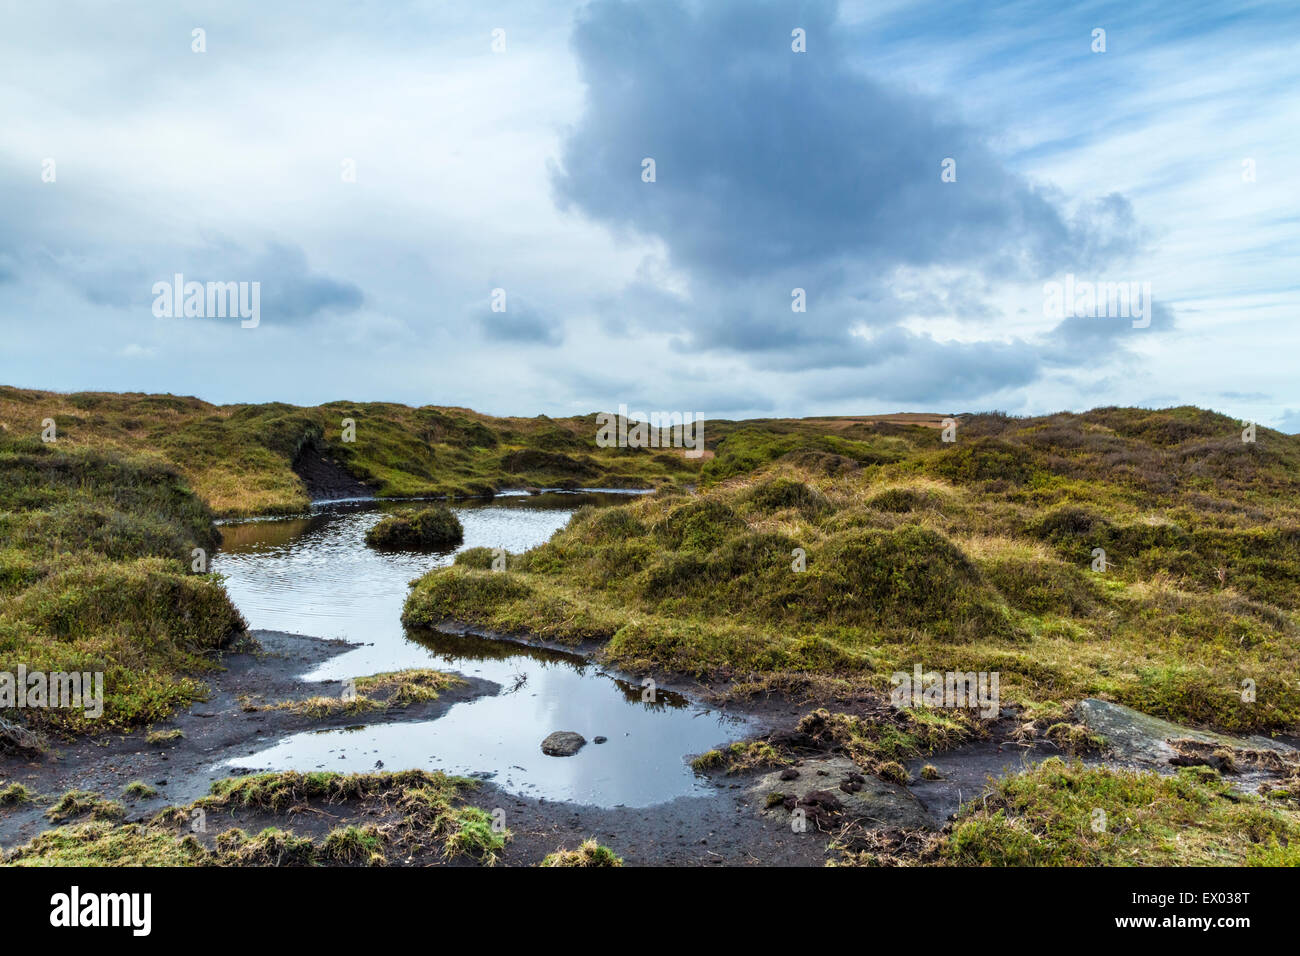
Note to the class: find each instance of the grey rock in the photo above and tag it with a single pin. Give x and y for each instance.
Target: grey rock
(1139, 738)
(563, 743)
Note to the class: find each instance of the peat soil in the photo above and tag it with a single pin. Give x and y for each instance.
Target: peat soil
(720, 827)
(326, 479)
(723, 826)
(264, 668)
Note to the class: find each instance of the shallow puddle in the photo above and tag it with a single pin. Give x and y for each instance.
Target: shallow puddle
(315, 575)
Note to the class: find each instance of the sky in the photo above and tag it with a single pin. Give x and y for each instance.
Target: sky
(450, 203)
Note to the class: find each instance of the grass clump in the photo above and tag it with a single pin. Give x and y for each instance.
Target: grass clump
(240, 459)
(140, 790)
(98, 577)
(741, 757)
(102, 843)
(431, 528)
(589, 853)
(880, 744)
(427, 805)
(76, 803)
(161, 738)
(389, 690)
(15, 794)
(1066, 814)
(353, 844)
(271, 847)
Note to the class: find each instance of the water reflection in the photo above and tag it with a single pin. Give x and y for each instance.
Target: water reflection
(314, 574)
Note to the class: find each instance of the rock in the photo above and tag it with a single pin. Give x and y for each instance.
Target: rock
(563, 743)
(1139, 738)
(820, 790)
(789, 773)
(599, 740)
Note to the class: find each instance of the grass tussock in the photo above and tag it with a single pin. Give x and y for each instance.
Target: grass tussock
(855, 549)
(14, 794)
(431, 528)
(102, 561)
(589, 853)
(389, 690)
(1065, 814)
(239, 459)
(741, 757)
(417, 814)
(77, 803)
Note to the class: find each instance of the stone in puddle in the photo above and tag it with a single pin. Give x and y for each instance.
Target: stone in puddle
(1135, 737)
(868, 800)
(563, 743)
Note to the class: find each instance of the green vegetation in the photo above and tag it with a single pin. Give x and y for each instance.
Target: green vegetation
(821, 554)
(418, 813)
(239, 458)
(429, 528)
(96, 577)
(741, 757)
(161, 738)
(138, 789)
(854, 549)
(76, 803)
(102, 843)
(1061, 814)
(15, 794)
(388, 690)
(590, 853)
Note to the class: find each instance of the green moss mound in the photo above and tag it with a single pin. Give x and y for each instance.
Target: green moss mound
(428, 529)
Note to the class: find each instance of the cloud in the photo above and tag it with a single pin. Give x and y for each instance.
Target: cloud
(777, 170)
(521, 322)
(769, 159)
(1290, 421)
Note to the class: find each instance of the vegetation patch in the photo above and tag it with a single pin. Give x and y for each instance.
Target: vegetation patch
(386, 691)
(971, 556)
(103, 843)
(76, 803)
(15, 794)
(741, 757)
(589, 853)
(880, 743)
(1065, 814)
(98, 577)
(431, 528)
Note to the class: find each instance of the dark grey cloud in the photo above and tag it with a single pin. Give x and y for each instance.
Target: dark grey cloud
(1094, 338)
(768, 159)
(291, 291)
(777, 170)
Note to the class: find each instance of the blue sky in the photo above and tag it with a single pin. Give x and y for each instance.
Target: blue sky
(521, 169)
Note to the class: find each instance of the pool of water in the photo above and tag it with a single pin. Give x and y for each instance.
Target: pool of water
(315, 575)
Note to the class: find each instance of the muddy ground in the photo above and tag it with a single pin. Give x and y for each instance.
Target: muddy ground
(723, 826)
(326, 479)
(718, 828)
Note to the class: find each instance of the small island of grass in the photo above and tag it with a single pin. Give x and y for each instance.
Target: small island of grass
(429, 528)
